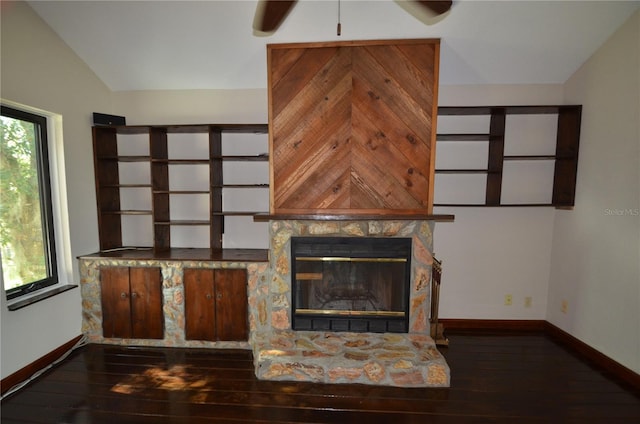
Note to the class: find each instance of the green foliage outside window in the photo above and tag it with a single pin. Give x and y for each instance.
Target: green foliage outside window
(21, 228)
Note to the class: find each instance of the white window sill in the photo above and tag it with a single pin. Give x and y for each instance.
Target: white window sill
(19, 303)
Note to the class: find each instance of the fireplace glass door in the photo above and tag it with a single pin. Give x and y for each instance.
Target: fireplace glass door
(350, 283)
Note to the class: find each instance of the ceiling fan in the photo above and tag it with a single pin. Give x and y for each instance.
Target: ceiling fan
(271, 13)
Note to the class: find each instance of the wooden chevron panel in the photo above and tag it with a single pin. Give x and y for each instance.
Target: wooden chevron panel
(351, 128)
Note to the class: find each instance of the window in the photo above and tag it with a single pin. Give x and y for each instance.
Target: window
(27, 243)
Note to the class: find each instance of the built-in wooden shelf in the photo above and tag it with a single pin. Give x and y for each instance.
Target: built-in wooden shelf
(108, 162)
(565, 157)
(330, 217)
(529, 157)
(127, 212)
(504, 205)
(126, 158)
(184, 222)
(182, 161)
(236, 158)
(192, 129)
(462, 137)
(157, 165)
(463, 171)
(126, 185)
(183, 254)
(512, 110)
(242, 186)
(236, 213)
(181, 192)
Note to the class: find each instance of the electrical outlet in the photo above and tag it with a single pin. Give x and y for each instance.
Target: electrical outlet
(564, 307)
(528, 301)
(508, 300)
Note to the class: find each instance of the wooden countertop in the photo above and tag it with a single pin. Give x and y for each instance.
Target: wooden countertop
(183, 254)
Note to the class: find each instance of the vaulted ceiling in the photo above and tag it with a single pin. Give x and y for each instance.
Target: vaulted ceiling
(154, 45)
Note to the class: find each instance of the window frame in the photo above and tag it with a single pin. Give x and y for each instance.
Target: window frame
(47, 213)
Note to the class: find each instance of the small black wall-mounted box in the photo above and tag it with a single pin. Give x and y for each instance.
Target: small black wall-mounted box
(105, 119)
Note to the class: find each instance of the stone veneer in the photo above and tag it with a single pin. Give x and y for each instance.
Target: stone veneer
(172, 294)
(407, 360)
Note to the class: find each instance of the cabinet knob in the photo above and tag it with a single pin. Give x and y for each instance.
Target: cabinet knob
(208, 295)
(134, 295)
(123, 295)
(219, 296)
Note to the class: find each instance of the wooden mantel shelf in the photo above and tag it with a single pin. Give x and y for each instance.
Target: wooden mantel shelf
(334, 217)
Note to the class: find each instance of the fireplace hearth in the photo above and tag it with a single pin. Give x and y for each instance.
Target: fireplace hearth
(284, 352)
(358, 284)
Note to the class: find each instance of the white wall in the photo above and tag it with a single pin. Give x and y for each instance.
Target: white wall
(164, 107)
(596, 247)
(490, 252)
(40, 71)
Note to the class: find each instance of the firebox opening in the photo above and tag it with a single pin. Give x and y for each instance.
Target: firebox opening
(356, 284)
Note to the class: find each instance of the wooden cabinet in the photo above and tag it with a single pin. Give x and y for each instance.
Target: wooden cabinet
(157, 187)
(496, 145)
(131, 302)
(215, 304)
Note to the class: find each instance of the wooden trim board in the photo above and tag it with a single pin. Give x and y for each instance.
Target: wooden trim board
(592, 355)
(26, 372)
(575, 345)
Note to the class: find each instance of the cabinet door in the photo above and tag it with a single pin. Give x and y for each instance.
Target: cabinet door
(231, 304)
(147, 319)
(131, 303)
(116, 308)
(199, 304)
(215, 304)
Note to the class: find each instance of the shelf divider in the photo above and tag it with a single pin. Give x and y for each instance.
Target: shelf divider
(216, 182)
(566, 167)
(496, 156)
(160, 187)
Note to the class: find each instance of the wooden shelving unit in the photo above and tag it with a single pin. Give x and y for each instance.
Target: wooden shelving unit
(153, 184)
(565, 158)
(157, 185)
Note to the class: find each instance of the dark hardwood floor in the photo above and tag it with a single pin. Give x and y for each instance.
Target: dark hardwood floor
(496, 378)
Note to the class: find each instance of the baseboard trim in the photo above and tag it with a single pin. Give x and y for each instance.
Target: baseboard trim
(25, 373)
(493, 324)
(592, 355)
(575, 345)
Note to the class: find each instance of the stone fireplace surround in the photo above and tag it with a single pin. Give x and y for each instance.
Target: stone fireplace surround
(394, 359)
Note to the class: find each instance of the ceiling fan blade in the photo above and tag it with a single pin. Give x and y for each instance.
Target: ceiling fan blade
(436, 6)
(272, 14)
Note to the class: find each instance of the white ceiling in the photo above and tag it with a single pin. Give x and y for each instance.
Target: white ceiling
(145, 45)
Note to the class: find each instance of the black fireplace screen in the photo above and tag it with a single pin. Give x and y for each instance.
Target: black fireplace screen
(350, 283)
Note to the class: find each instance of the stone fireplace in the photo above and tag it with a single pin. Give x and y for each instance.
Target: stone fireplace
(406, 358)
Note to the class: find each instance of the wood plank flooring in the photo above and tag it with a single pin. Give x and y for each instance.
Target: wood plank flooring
(496, 378)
